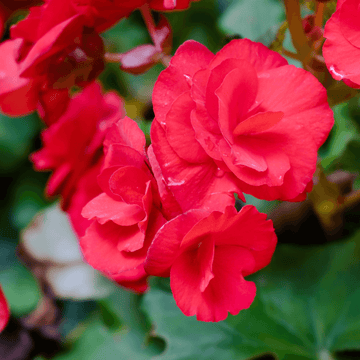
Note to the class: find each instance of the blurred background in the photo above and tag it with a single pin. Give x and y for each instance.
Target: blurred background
(308, 298)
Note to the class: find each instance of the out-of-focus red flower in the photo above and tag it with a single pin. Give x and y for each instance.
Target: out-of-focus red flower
(86, 189)
(55, 47)
(238, 121)
(18, 95)
(73, 144)
(341, 50)
(4, 311)
(207, 257)
(126, 215)
(314, 33)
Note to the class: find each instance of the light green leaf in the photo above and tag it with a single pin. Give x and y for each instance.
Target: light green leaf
(252, 19)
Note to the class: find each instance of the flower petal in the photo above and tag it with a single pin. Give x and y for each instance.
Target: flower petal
(226, 292)
(104, 209)
(165, 246)
(179, 131)
(260, 57)
(193, 185)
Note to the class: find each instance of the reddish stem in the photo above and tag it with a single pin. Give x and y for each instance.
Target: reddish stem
(149, 22)
(112, 57)
(319, 15)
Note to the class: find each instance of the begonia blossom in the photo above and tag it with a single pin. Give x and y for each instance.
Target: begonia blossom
(127, 214)
(341, 49)
(207, 255)
(55, 47)
(242, 120)
(73, 144)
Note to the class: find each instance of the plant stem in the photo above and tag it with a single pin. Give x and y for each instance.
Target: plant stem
(149, 22)
(319, 15)
(290, 54)
(298, 36)
(165, 60)
(112, 57)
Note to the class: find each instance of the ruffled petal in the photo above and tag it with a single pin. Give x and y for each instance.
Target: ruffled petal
(104, 209)
(165, 246)
(259, 56)
(226, 292)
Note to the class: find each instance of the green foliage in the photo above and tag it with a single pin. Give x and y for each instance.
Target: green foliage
(257, 20)
(20, 287)
(306, 307)
(343, 134)
(16, 137)
(119, 330)
(342, 149)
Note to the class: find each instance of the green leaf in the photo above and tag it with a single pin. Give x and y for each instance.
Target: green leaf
(20, 287)
(343, 134)
(307, 306)
(96, 343)
(262, 205)
(188, 338)
(122, 332)
(252, 19)
(27, 199)
(16, 135)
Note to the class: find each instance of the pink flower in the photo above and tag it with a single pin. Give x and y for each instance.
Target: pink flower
(238, 121)
(73, 144)
(341, 50)
(207, 256)
(127, 214)
(4, 311)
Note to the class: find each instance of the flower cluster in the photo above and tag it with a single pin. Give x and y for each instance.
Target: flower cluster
(239, 121)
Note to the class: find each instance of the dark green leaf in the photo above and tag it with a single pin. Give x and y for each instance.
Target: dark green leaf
(307, 307)
(16, 135)
(20, 287)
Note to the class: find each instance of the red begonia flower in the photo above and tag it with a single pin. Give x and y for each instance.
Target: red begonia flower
(86, 189)
(341, 49)
(73, 144)
(18, 95)
(241, 120)
(127, 214)
(207, 256)
(55, 47)
(4, 311)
